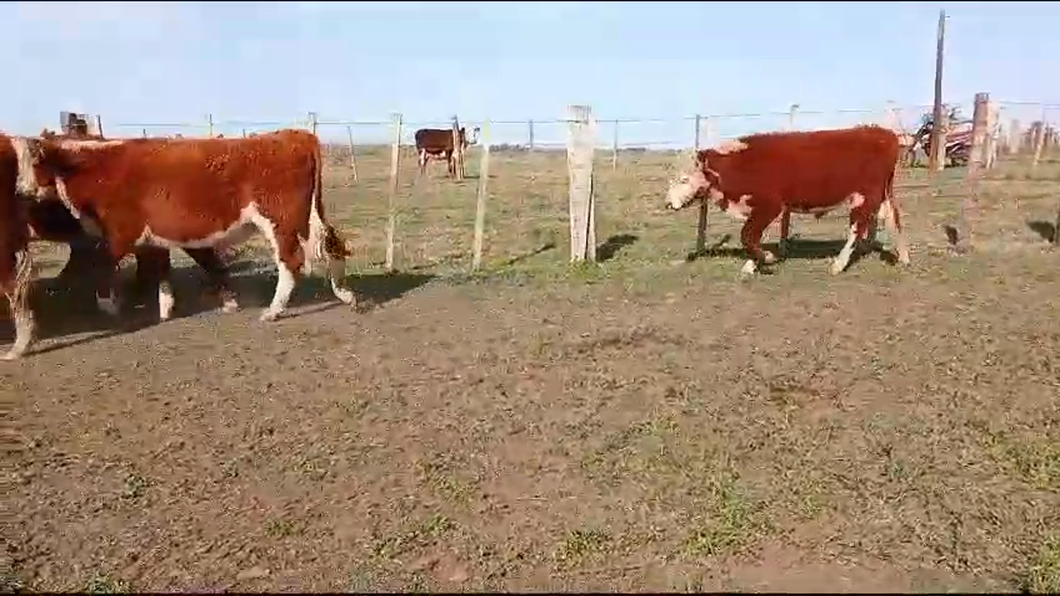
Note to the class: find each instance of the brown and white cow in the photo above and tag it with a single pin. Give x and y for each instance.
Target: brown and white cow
(435, 142)
(16, 268)
(759, 177)
(202, 195)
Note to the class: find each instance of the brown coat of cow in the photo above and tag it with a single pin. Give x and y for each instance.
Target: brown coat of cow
(758, 177)
(200, 194)
(434, 142)
(16, 269)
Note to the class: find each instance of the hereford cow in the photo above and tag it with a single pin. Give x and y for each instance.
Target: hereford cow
(758, 177)
(202, 195)
(51, 221)
(16, 269)
(439, 141)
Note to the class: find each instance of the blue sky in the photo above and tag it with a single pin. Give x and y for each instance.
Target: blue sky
(274, 62)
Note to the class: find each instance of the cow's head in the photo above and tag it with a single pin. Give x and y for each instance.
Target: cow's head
(690, 186)
(469, 140)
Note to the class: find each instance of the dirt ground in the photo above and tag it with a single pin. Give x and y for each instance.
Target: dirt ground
(644, 424)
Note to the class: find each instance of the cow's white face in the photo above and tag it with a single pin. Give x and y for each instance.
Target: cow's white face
(687, 189)
(472, 139)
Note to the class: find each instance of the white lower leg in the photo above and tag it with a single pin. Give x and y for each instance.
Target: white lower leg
(840, 263)
(749, 268)
(336, 275)
(284, 287)
(228, 303)
(108, 304)
(900, 244)
(165, 300)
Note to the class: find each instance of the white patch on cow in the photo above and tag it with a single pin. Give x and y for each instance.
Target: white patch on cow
(890, 219)
(749, 268)
(88, 224)
(108, 304)
(728, 147)
(681, 192)
(77, 145)
(26, 182)
(768, 257)
(240, 231)
(856, 200)
(165, 300)
(840, 263)
(229, 304)
(715, 195)
(21, 311)
(739, 210)
(284, 276)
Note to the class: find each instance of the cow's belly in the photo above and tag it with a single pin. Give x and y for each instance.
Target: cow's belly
(174, 234)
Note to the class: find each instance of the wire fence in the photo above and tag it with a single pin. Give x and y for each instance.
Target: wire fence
(650, 133)
(528, 207)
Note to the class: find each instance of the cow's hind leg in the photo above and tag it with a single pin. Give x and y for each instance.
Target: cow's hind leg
(217, 271)
(16, 273)
(892, 219)
(289, 256)
(153, 267)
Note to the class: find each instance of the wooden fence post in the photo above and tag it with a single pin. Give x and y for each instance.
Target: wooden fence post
(353, 159)
(458, 150)
(1039, 141)
(614, 148)
(530, 125)
(1015, 138)
(99, 125)
(313, 122)
(209, 126)
(791, 116)
(580, 150)
(962, 230)
(480, 203)
(392, 190)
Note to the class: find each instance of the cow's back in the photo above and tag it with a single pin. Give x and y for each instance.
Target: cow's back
(823, 163)
(200, 176)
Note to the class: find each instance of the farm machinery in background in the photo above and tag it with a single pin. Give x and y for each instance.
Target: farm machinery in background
(958, 140)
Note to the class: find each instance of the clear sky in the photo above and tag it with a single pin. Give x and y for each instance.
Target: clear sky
(274, 62)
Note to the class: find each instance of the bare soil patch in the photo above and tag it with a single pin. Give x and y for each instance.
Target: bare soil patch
(644, 424)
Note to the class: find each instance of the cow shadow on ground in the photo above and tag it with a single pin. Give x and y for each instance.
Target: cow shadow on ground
(798, 248)
(1044, 229)
(68, 312)
(613, 245)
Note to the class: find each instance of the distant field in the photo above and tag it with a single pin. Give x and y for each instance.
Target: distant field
(643, 424)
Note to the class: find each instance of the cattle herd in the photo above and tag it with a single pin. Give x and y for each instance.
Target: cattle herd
(111, 198)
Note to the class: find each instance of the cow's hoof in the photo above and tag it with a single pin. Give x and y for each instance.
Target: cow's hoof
(11, 356)
(748, 270)
(229, 307)
(836, 268)
(768, 258)
(108, 305)
(269, 316)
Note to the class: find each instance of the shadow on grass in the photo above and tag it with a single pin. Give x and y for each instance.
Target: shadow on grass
(1044, 229)
(797, 249)
(613, 245)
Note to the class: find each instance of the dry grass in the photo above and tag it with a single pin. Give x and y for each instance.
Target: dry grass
(643, 424)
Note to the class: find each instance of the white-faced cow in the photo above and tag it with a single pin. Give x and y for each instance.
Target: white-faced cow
(759, 177)
(435, 142)
(196, 194)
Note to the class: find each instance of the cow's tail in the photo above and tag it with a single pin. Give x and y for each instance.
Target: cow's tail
(324, 241)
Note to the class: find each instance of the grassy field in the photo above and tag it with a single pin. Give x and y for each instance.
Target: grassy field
(642, 424)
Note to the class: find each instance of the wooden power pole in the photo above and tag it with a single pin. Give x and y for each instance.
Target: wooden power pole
(937, 159)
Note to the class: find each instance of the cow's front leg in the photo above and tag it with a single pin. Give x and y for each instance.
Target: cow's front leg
(751, 236)
(217, 271)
